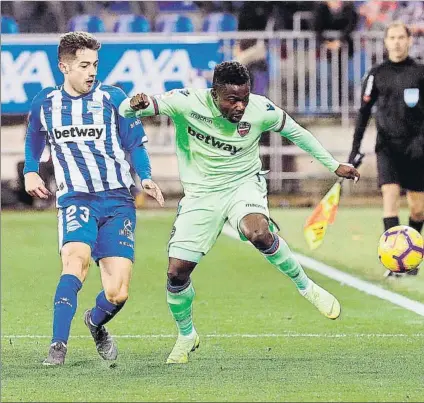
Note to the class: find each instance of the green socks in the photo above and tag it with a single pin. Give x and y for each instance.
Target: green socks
(283, 259)
(180, 304)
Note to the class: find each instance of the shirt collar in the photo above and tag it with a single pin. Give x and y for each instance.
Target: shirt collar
(95, 85)
(408, 61)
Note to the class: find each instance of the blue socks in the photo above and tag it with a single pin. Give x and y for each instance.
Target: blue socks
(65, 306)
(104, 310)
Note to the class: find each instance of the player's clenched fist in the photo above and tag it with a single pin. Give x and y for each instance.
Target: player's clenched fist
(139, 101)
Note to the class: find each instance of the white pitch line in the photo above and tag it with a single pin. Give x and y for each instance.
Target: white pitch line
(348, 279)
(236, 336)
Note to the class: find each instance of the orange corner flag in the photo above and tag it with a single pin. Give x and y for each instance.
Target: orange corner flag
(323, 214)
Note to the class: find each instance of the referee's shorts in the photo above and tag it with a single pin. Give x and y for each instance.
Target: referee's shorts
(396, 167)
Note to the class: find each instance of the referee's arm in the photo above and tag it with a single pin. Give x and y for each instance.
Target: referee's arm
(369, 95)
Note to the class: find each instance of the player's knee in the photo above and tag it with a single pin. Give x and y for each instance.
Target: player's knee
(177, 278)
(75, 260)
(117, 296)
(179, 271)
(417, 213)
(260, 237)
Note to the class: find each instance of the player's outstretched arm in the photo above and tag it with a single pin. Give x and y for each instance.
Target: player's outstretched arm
(172, 103)
(139, 105)
(307, 142)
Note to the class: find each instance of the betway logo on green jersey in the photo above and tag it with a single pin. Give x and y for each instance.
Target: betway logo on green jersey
(211, 140)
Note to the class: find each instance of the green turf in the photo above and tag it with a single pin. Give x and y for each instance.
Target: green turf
(238, 293)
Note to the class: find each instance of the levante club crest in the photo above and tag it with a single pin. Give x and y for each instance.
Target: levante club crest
(243, 128)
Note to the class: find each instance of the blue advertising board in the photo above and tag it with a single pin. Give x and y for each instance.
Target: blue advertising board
(153, 67)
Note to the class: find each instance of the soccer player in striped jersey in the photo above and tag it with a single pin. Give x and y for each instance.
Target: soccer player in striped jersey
(96, 212)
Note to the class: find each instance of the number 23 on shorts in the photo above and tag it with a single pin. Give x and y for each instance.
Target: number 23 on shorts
(76, 224)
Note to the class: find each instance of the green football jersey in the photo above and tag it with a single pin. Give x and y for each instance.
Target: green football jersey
(215, 154)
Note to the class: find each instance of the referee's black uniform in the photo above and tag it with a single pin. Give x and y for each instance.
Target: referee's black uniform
(398, 89)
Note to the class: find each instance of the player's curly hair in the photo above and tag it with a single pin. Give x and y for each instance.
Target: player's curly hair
(73, 41)
(233, 73)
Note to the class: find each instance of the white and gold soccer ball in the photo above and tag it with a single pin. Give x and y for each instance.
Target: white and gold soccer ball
(401, 248)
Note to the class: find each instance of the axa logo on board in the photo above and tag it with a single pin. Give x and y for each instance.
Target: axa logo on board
(34, 67)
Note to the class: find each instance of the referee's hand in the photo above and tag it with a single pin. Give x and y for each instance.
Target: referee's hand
(348, 171)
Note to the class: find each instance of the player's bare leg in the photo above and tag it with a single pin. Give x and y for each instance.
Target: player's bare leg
(116, 276)
(255, 228)
(180, 295)
(391, 205)
(75, 263)
(416, 209)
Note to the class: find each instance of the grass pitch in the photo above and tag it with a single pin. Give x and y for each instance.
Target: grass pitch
(260, 341)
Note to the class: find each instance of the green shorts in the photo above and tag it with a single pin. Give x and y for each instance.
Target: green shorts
(200, 219)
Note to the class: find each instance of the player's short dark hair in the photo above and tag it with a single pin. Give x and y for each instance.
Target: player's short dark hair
(398, 24)
(73, 41)
(232, 73)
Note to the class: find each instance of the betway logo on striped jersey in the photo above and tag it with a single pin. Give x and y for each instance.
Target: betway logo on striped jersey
(79, 133)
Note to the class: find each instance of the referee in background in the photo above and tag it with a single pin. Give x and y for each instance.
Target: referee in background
(397, 85)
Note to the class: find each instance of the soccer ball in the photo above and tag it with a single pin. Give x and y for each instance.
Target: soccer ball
(401, 248)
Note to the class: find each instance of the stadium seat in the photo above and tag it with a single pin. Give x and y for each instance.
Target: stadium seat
(174, 23)
(131, 23)
(86, 22)
(9, 25)
(119, 7)
(220, 22)
(177, 6)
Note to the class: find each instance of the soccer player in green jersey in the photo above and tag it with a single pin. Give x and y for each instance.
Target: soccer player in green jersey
(217, 144)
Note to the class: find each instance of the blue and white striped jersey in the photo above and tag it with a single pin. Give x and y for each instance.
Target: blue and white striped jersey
(88, 138)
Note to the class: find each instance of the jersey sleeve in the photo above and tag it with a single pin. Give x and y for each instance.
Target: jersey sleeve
(307, 142)
(35, 138)
(274, 117)
(369, 95)
(171, 103)
(140, 161)
(277, 120)
(369, 91)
